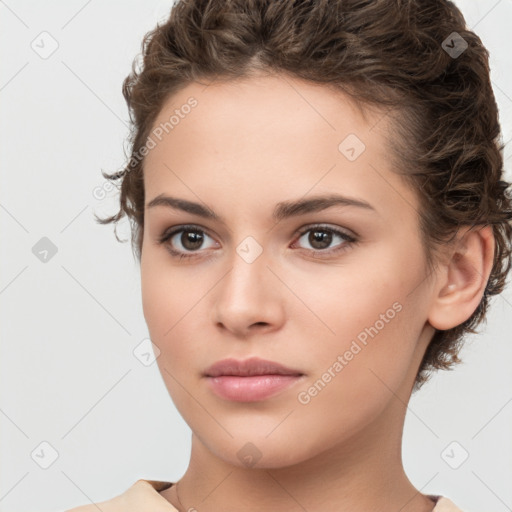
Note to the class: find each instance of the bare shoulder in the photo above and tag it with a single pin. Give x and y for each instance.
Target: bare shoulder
(142, 496)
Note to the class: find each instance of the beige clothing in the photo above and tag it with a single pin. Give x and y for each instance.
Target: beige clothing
(442, 504)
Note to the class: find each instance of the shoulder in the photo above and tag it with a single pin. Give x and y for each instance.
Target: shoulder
(142, 496)
(445, 505)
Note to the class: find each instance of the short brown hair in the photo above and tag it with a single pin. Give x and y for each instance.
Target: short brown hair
(385, 53)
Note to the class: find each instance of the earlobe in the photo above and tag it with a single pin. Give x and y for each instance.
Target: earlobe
(462, 280)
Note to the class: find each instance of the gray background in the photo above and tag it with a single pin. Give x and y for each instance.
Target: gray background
(69, 325)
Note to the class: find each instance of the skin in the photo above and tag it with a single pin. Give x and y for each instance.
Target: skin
(245, 147)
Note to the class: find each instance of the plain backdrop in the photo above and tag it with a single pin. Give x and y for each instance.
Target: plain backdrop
(81, 417)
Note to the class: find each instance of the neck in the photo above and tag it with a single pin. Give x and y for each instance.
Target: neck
(365, 473)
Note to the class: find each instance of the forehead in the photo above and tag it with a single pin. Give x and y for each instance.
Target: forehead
(265, 107)
(250, 116)
(269, 136)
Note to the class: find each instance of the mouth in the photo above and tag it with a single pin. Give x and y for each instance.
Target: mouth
(248, 368)
(250, 380)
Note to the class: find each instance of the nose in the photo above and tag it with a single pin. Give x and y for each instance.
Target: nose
(249, 298)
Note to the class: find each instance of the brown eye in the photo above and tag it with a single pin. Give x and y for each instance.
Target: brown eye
(191, 240)
(321, 238)
(186, 239)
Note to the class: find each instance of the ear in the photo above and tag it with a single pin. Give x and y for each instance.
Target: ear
(462, 278)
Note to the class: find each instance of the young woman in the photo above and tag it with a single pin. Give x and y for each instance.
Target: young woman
(317, 203)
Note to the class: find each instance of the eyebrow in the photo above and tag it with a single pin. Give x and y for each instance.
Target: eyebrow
(282, 210)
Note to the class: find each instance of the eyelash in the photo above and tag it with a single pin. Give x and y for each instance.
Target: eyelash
(349, 240)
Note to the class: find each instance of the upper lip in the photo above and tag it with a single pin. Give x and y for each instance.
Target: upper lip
(248, 367)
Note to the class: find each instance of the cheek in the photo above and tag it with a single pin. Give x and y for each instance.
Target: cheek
(165, 294)
(374, 323)
(154, 303)
(360, 371)
(171, 305)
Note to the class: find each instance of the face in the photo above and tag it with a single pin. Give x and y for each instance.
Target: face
(334, 289)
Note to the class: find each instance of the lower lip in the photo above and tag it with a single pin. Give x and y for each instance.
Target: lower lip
(250, 389)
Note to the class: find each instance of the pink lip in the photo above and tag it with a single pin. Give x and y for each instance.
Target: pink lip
(249, 380)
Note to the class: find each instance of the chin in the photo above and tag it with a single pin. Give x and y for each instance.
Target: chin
(258, 450)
